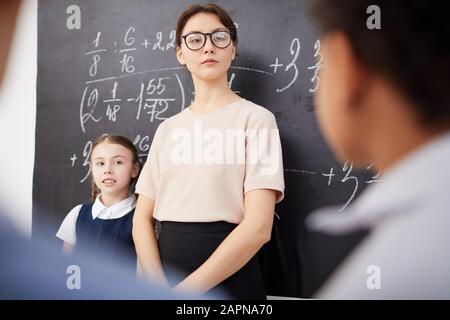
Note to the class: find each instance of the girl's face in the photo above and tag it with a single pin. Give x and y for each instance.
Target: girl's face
(209, 62)
(113, 168)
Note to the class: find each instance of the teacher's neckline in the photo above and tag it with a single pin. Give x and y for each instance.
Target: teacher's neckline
(215, 111)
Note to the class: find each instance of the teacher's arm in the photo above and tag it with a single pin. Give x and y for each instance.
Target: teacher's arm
(239, 246)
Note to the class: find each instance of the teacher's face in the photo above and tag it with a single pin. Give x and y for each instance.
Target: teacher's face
(209, 62)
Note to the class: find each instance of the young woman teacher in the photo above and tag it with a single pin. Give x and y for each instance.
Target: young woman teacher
(213, 174)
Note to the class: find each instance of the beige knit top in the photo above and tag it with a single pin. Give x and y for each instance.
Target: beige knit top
(200, 165)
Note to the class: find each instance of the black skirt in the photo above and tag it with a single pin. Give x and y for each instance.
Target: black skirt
(185, 246)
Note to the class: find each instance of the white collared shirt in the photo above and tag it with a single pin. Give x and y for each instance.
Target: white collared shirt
(407, 254)
(67, 230)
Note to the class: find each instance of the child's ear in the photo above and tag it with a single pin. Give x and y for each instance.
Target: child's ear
(180, 56)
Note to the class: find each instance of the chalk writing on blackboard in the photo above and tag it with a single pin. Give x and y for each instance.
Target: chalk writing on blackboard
(319, 61)
(150, 98)
(348, 178)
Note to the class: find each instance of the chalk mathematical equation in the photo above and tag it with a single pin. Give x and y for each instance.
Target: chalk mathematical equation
(126, 48)
(293, 68)
(103, 100)
(150, 99)
(346, 176)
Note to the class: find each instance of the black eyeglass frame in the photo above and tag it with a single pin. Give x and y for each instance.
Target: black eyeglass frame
(205, 39)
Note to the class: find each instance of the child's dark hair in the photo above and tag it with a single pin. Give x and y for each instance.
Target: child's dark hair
(213, 8)
(409, 49)
(125, 142)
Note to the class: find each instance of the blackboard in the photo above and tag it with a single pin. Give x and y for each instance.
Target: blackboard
(115, 71)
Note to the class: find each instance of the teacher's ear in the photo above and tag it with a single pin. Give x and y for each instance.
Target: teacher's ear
(8, 16)
(180, 56)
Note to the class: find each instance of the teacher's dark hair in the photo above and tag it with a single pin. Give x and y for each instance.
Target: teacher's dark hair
(212, 8)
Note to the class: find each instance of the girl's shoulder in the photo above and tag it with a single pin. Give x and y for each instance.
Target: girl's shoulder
(76, 209)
